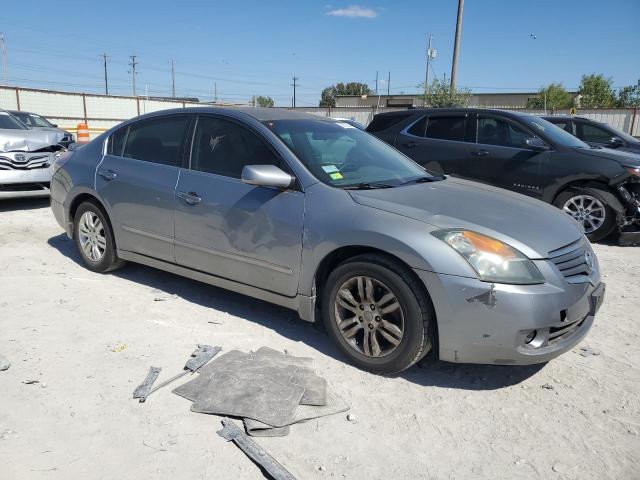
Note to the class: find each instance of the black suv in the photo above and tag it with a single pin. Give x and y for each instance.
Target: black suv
(596, 134)
(599, 187)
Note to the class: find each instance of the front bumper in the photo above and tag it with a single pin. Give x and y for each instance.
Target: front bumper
(479, 322)
(25, 171)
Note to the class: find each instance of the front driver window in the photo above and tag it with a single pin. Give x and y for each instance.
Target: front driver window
(224, 148)
(493, 131)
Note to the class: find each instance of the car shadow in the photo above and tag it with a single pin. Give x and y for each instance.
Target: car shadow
(23, 203)
(286, 323)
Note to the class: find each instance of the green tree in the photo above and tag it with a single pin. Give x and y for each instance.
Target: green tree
(553, 96)
(329, 94)
(596, 91)
(440, 95)
(261, 101)
(629, 96)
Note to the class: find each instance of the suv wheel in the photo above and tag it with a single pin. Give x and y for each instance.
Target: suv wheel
(378, 314)
(589, 207)
(94, 238)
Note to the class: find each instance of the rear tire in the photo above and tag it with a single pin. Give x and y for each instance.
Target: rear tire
(94, 238)
(382, 319)
(588, 206)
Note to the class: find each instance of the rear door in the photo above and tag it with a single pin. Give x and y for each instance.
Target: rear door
(224, 227)
(137, 179)
(438, 142)
(500, 157)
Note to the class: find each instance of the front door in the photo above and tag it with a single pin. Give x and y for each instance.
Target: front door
(224, 227)
(137, 179)
(500, 156)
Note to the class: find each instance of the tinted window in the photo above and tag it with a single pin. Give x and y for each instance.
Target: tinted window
(551, 132)
(418, 128)
(116, 144)
(446, 128)
(158, 140)
(382, 122)
(563, 124)
(224, 148)
(11, 123)
(591, 133)
(493, 131)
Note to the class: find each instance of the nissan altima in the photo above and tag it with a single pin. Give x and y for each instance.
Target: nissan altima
(320, 217)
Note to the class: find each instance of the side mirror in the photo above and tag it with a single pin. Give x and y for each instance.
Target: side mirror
(54, 125)
(615, 142)
(266, 176)
(534, 143)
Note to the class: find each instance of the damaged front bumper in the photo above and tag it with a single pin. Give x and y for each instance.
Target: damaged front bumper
(629, 219)
(479, 322)
(26, 171)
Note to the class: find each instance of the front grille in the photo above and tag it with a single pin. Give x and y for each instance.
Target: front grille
(557, 334)
(575, 261)
(28, 161)
(23, 187)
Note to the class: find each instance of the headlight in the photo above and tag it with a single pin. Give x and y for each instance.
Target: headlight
(493, 260)
(634, 171)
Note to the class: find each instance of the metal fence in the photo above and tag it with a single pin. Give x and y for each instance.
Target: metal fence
(101, 112)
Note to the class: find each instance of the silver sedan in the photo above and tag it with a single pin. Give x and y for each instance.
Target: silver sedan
(323, 218)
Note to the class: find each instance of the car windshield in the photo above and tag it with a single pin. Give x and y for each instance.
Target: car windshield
(341, 155)
(554, 133)
(10, 123)
(32, 120)
(618, 133)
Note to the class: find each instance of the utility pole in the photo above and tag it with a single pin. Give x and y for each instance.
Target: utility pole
(376, 83)
(106, 82)
(388, 83)
(294, 84)
(173, 78)
(215, 92)
(456, 45)
(431, 54)
(3, 48)
(133, 65)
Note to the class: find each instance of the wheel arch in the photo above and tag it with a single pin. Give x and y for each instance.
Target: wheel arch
(604, 188)
(82, 197)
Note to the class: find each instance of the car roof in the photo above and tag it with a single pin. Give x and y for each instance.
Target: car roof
(569, 117)
(416, 111)
(261, 114)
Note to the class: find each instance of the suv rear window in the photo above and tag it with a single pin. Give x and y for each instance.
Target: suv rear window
(382, 122)
(446, 128)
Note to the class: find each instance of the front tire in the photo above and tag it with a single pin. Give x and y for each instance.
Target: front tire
(378, 314)
(94, 238)
(589, 207)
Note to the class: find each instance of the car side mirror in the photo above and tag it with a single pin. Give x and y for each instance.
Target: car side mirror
(615, 142)
(266, 176)
(54, 125)
(534, 143)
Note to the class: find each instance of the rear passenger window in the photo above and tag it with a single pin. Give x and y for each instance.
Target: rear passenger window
(158, 140)
(418, 128)
(493, 131)
(116, 144)
(224, 148)
(446, 128)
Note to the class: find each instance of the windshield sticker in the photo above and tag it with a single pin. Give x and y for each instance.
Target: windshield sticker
(330, 168)
(344, 125)
(336, 176)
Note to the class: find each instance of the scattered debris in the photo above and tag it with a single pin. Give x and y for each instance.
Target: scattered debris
(120, 347)
(255, 452)
(547, 386)
(588, 352)
(144, 388)
(30, 382)
(351, 417)
(268, 389)
(198, 358)
(4, 363)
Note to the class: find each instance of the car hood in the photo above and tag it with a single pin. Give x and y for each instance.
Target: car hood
(532, 226)
(14, 140)
(622, 157)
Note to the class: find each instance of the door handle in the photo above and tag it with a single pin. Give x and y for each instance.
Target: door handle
(410, 144)
(190, 197)
(480, 153)
(107, 174)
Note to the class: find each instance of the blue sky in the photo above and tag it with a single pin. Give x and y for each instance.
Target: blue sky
(255, 47)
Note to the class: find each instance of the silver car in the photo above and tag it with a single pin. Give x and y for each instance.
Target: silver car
(323, 218)
(38, 122)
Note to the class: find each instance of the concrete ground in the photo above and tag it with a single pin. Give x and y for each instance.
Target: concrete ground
(80, 342)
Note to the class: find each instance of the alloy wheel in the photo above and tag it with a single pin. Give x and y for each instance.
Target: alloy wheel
(92, 236)
(587, 210)
(369, 316)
